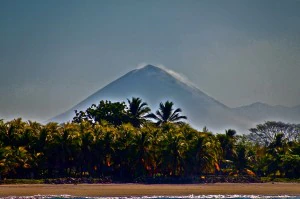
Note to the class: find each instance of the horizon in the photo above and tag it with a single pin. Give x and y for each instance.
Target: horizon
(179, 77)
(55, 54)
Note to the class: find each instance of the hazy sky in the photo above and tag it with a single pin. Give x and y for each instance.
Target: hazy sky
(55, 53)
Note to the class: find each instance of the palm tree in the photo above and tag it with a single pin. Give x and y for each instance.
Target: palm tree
(202, 154)
(230, 133)
(137, 111)
(276, 150)
(228, 141)
(124, 156)
(86, 142)
(103, 148)
(166, 114)
(12, 132)
(174, 146)
(141, 145)
(63, 147)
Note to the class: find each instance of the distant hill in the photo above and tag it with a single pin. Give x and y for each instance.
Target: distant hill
(155, 85)
(260, 112)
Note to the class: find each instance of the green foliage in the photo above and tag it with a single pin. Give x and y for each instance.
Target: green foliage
(137, 111)
(111, 140)
(266, 133)
(291, 165)
(22, 181)
(166, 114)
(104, 149)
(112, 112)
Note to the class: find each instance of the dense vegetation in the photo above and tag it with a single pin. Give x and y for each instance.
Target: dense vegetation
(127, 142)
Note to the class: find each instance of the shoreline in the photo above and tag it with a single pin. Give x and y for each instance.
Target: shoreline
(115, 190)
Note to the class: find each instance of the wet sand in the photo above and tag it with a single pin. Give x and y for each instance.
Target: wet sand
(151, 190)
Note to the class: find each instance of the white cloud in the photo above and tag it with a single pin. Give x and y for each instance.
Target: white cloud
(176, 75)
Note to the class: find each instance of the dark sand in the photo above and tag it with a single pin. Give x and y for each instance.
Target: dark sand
(150, 190)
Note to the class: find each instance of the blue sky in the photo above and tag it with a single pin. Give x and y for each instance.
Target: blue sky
(53, 54)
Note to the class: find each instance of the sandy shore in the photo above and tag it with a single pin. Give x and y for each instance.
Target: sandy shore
(150, 190)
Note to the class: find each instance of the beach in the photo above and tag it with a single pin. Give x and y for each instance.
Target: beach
(104, 190)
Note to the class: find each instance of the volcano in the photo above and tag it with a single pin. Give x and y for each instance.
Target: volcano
(154, 85)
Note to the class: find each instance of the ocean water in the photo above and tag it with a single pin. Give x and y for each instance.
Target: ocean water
(160, 197)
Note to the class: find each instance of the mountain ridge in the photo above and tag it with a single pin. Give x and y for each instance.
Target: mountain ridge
(258, 103)
(260, 112)
(154, 85)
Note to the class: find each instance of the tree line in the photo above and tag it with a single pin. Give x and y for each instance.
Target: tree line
(127, 141)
